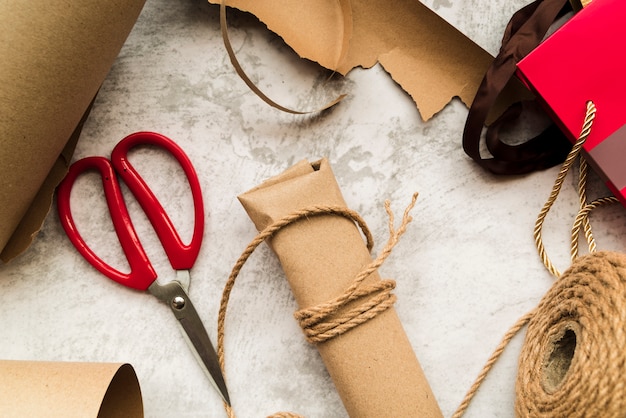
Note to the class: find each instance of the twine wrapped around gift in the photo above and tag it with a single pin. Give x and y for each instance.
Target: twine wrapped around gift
(357, 304)
(573, 360)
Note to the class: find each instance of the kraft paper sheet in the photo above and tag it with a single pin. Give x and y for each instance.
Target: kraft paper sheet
(55, 55)
(429, 58)
(39, 389)
(373, 365)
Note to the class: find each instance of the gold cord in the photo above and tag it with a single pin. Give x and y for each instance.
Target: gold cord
(569, 161)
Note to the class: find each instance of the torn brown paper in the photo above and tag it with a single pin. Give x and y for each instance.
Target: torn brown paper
(373, 366)
(429, 58)
(39, 389)
(31, 222)
(55, 55)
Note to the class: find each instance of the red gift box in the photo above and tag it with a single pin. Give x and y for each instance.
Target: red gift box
(585, 60)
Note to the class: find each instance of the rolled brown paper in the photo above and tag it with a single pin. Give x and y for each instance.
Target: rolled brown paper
(55, 55)
(373, 366)
(38, 389)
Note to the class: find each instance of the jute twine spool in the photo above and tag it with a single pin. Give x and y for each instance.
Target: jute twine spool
(573, 360)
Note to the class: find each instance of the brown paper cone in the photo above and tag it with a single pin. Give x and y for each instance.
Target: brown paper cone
(373, 365)
(55, 55)
(82, 390)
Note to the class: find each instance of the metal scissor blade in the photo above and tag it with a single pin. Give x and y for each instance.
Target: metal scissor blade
(205, 351)
(175, 297)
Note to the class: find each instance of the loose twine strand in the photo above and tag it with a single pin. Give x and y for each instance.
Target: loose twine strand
(543, 316)
(326, 320)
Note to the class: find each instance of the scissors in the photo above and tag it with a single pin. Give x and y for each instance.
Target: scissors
(142, 275)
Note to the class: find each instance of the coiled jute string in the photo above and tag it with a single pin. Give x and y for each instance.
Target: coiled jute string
(332, 318)
(573, 360)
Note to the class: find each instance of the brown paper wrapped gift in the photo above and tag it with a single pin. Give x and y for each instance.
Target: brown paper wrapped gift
(373, 365)
(38, 389)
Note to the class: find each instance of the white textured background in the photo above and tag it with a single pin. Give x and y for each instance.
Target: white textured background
(466, 269)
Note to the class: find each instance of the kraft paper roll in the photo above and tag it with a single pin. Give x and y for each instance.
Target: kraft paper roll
(373, 365)
(70, 390)
(55, 55)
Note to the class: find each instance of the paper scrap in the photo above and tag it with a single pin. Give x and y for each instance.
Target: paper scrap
(429, 58)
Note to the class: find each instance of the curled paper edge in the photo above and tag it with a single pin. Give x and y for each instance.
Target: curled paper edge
(347, 31)
(69, 390)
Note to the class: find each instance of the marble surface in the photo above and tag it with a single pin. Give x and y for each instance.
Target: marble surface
(466, 269)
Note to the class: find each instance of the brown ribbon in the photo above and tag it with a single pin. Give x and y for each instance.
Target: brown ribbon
(523, 33)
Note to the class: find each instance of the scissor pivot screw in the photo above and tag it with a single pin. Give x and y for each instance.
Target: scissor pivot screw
(178, 302)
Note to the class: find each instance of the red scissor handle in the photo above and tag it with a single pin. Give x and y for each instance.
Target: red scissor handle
(181, 256)
(142, 273)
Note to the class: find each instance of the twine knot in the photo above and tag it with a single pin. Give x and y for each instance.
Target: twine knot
(330, 319)
(322, 322)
